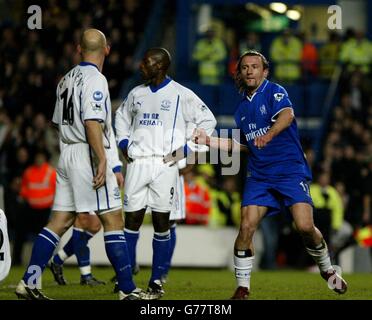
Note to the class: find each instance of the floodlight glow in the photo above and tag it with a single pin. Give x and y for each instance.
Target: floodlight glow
(278, 7)
(293, 15)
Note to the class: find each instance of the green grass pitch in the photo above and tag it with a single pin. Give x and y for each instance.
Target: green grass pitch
(201, 284)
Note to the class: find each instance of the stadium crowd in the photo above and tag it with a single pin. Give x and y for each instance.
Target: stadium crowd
(31, 64)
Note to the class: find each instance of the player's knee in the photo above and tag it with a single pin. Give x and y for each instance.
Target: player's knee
(160, 221)
(94, 228)
(305, 229)
(112, 224)
(59, 226)
(133, 220)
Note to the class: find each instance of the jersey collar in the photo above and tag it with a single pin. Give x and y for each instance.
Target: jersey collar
(85, 63)
(161, 85)
(263, 85)
(260, 89)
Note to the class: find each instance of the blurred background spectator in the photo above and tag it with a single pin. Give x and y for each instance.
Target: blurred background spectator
(210, 55)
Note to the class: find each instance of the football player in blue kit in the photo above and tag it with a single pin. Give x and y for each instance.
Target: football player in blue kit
(277, 175)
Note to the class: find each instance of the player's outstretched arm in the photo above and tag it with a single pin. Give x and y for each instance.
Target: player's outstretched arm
(200, 137)
(94, 135)
(282, 122)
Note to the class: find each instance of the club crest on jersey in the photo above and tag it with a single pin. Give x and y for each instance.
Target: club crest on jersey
(126, 201)
(278, 96)
(97, 95)
(116, 193)
(165, 105)
(263, 110)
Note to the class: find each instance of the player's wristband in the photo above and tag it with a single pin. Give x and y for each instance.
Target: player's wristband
(123, 144)
(186, 150)
(116, 169)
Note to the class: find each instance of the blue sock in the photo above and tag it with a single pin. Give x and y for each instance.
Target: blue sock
(42, 251)
(69, 248)
(117, 253)
(68, 251)
(85, 269)
(132, 238)
(172, 245)
(57, 259)
(81, 249)
(160, 251)
(88, 235)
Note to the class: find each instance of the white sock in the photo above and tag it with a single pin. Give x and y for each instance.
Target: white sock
(85, 270)
(62, 255)
(243, 269)
(321, 256)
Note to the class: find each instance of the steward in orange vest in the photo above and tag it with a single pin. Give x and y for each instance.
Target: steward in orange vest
(39, 183)
(198, 201)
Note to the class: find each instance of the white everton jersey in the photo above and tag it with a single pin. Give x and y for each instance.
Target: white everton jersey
(82, 94)
(155, 121)
(112, 152)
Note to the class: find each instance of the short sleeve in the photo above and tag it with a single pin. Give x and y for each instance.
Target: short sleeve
(280, 101)
(94, 98)
(56, 113)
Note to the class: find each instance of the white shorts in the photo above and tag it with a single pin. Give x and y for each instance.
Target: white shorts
(149, 182)
(74, 191)
(179, 210)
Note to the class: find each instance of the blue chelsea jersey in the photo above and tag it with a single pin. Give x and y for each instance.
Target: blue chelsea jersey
(255, 115)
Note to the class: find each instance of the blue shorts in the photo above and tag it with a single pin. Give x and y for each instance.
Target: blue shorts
(276, 193)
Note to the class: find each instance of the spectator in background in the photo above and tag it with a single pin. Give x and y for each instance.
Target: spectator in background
(329, 55)
(358, 87)
(348, 170)
(328, 205)
(356, 54)
(229, 202)
(210, 54)
(5, 136)
(198, 202)
(285, 52)
(207, 179)
(251, 41)
(309, 58)
(32, 62)
(38, 187)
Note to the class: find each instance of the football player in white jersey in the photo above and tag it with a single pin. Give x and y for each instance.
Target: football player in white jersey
(84, 228)
(84, 180)
(150, 124)
(178, 214)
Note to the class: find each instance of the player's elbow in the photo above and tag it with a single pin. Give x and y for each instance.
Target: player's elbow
(289, 116)
(212, 125)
